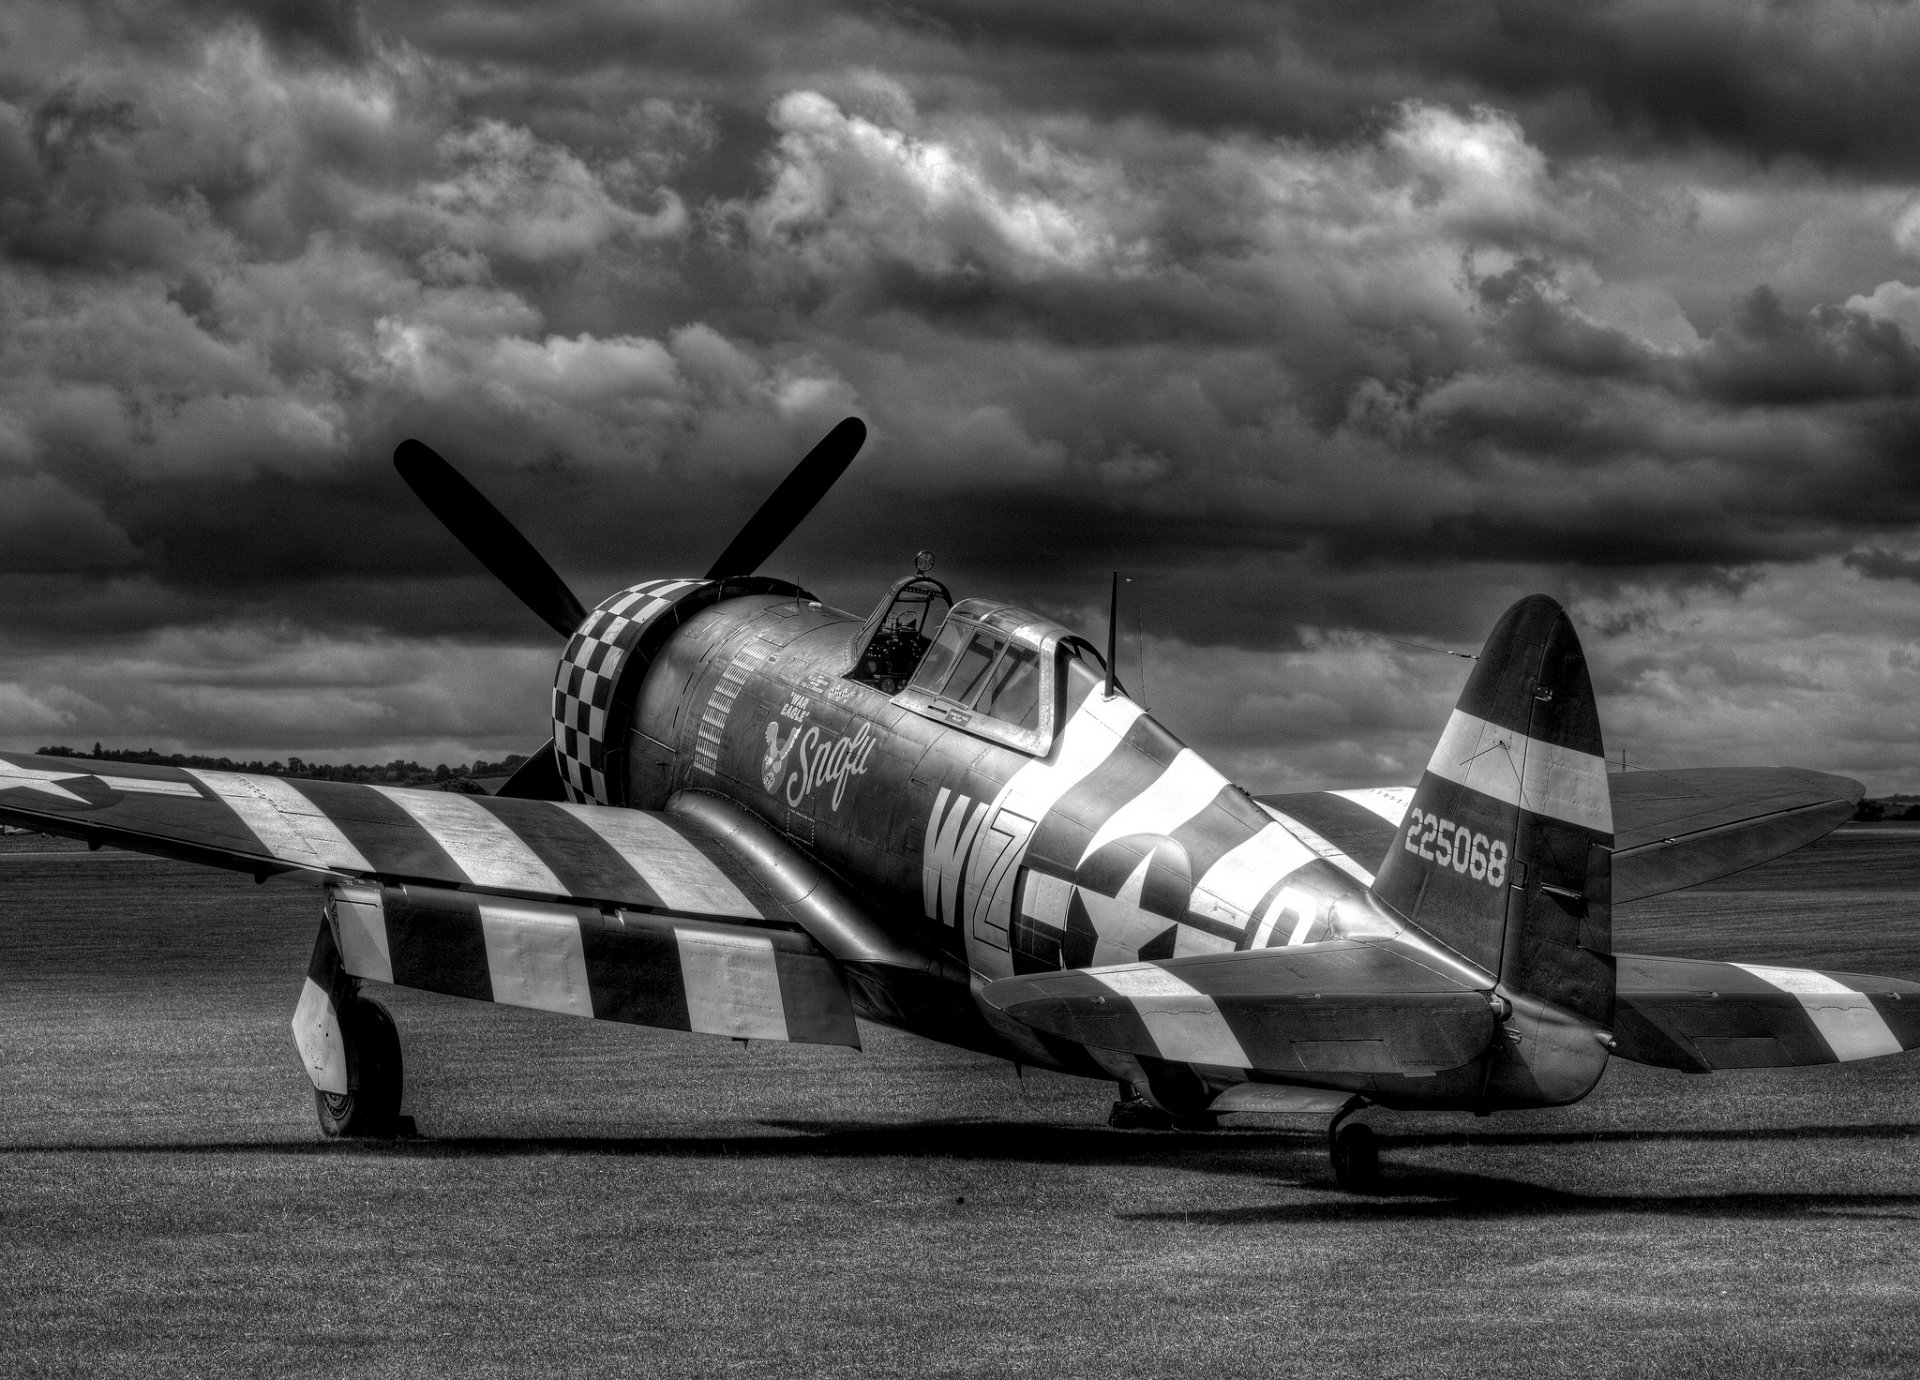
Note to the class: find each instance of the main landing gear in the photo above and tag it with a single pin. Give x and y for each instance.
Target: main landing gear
(351, 1050)
(1354, 1150)
(371, 1104)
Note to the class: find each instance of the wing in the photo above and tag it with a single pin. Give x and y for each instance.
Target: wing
(536, 849)
(1700, 1015)
(646, 917)
(1340, 1007)
(1672, 829)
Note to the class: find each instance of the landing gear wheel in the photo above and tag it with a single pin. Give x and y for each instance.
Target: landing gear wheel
(371, 1105)
(1356, 1158)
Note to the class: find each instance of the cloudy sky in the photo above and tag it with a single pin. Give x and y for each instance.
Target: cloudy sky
(1329, 324)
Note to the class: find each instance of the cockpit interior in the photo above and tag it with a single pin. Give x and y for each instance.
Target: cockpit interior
(995, 670)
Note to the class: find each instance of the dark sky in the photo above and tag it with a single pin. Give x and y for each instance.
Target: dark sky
(1330, 324)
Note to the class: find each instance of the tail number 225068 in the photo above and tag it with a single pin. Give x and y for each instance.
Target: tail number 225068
(1456, 846)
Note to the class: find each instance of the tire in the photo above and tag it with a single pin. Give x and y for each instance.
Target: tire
(1356, 1159)
(371, 1105)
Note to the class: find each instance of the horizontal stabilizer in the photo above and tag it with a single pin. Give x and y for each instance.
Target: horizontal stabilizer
(1675, 829)
(1340, 1007)
(1672, 829)
(1684, 1013)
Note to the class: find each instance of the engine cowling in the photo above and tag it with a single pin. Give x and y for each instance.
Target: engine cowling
(597, 682)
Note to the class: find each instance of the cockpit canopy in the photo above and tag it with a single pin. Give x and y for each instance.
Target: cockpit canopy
(998, 672)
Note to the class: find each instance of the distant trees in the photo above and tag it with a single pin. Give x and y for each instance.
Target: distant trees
(1896, 807)
(395, 773)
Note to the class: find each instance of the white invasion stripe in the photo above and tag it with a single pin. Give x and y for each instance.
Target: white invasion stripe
(360, 922)
(1389, 802)
(1321, 845)
(1303, 906)
(536, 959)
(316, 1030)
(1541, 777)
(142, 785)
(291, 826)
(1185, 1024)
(1846, 1019)
(1183, 790)
(490, 853)
(1235, 883)
(1267, 918)
(1089, 739)
(732, 985)
(685, 878)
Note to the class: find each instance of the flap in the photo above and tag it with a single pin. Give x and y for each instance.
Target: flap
(540, 849)
(1338, 1007)
(1699, 1015)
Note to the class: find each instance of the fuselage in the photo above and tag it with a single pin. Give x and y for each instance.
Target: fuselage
(1082, 834)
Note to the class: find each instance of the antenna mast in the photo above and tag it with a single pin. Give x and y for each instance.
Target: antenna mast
(1113, 631)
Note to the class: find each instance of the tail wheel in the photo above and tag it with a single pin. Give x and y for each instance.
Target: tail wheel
(1356, 1158)
(371, 1104)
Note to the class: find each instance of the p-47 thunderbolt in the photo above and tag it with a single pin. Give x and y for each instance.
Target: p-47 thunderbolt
(762, 817)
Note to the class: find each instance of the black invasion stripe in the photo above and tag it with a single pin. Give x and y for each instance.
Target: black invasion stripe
(324, 966)
(1534, 647)
(1137, 761)
(386, 835)
(1226, 822)
(587, 865)
(1353, 829)
(633, 971)
(439, 947)
(812, 994)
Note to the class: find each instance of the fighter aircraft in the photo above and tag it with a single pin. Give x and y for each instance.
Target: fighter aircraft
(761, 817)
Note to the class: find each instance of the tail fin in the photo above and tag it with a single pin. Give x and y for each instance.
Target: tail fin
(1506, 855)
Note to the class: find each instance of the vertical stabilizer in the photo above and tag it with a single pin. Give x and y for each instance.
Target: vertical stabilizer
(1505, 855)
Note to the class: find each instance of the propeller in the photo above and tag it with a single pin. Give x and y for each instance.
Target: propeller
(787, 506)
(482, 529)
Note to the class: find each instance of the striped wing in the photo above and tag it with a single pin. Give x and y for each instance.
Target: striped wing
(536, 849)
(750, 983)
(1338, 1007)
(1698, 1015)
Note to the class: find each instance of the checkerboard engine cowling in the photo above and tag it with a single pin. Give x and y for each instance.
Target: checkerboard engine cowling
(586, 716)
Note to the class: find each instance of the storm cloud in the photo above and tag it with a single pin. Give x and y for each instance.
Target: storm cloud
(1337, 330)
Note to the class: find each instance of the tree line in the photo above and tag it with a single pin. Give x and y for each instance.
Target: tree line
(398, 772)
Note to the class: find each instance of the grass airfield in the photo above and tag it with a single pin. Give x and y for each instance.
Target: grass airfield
(599, 1199)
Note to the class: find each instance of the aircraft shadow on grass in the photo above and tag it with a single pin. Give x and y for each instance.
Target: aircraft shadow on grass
(1430, 1196)
(1417, 1194)
(1250, 1151)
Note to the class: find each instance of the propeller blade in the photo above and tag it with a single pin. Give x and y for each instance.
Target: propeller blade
(465, 512)
(787, 506)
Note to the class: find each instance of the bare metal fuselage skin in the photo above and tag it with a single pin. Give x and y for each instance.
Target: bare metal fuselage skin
(1116, 843)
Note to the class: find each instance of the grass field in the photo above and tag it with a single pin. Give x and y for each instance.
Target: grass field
(591, 1199)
